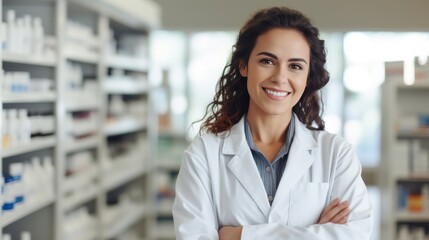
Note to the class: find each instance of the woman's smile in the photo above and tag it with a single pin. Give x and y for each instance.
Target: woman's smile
(275, 93)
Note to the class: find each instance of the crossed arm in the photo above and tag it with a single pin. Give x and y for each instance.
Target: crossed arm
(336, 212)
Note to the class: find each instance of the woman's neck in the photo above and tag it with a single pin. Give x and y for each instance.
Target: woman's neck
(268, 129)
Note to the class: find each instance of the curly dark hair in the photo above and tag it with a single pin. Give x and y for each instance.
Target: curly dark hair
(231, 100)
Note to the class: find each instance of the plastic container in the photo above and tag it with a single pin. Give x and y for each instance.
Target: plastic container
(16, 170)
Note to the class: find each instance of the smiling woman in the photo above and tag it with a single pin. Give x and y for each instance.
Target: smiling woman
(263, 167)
(276, 73)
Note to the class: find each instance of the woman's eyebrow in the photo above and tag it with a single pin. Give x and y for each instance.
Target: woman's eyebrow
(297, 60)
(267, 54)
(275, 57)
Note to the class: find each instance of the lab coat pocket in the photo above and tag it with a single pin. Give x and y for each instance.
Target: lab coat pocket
(307, 202)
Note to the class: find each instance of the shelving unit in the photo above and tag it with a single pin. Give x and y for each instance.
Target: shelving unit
(405, 151)
(169, 155)
(102, 157)
(30, 60)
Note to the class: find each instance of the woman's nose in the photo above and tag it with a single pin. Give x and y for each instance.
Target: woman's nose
(280, 76)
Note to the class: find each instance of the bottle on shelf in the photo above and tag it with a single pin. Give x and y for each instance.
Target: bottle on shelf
(12, 124)
(15, 171)
(48, 168)
(6, 236)
(5, 130)
(25, 235)
(1, 191)
(29, 178)
(9, 196)
(38, 36)
(24, 127)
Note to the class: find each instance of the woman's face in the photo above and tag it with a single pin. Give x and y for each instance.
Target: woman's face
(277, 72)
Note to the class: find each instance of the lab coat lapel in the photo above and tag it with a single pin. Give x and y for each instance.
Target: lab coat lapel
(243, 166)
(298, 163)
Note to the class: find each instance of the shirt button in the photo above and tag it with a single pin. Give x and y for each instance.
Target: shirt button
(267, 169)
(270, 198)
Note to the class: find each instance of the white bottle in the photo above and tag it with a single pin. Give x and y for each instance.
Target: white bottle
(1, 192)
(6, 236)
(48, 167)
(20, 49)
(9, 195)
(38, 37)
(7, 83)
(3, 36)
(30, 183)
(5, 127)
(27, 35)
(24, 127)
(13, 127)
(404, 233)
(42, 184)
(11, 34)
(117, 107)
(25, 235)
(16, 170)
(419, 233)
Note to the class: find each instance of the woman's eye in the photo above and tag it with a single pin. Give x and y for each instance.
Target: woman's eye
(295, 66)
(266, 61)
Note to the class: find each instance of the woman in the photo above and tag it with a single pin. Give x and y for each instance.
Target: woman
(265, 169)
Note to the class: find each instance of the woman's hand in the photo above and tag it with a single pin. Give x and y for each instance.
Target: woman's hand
(230, 233)
(336, 212)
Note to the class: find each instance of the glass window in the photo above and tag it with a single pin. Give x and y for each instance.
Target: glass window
(365, 54)
(209, 53)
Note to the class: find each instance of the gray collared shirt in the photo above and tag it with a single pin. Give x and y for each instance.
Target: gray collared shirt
(271, 173)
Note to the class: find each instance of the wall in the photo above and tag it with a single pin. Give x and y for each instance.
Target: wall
(328, 15)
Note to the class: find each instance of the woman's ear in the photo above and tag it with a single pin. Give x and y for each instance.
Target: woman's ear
(243, 69)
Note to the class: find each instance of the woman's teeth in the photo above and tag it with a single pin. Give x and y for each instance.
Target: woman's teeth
(277, 94)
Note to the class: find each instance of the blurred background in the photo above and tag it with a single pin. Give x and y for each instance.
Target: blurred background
(98, 100)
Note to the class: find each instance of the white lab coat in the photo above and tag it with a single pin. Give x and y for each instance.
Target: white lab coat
(219, 185)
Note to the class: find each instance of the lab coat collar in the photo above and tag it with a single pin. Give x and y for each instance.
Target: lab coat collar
(244, 168)
(235, 140)
(298, 162)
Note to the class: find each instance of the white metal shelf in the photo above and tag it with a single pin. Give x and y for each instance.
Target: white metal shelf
(115, 228)
(79, 198)
(123, 126)
(417, 134)
(26, 209)
(128, 63)
(89, 235)
(134, 13)
(168, 165)
(421, 84)
(30, 59)
(81, 56)
(415, 178)
(83, 178)
(165, 231)
(80, 144)
(165, 206)
(412, 217)
(35, 145)
(125, 85)
(400, 103)
(81, 106)
(29, 97)
(118, 176)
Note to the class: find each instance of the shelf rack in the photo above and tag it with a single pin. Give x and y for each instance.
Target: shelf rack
(135, 16)
(399, 169)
